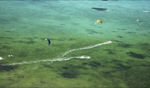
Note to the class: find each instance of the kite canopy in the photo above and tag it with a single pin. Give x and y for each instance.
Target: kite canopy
(99, 9)
(99, 21)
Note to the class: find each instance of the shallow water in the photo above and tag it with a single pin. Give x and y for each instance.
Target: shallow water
(28, 61)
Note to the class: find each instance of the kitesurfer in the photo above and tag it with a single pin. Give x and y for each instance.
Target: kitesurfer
(48, 40)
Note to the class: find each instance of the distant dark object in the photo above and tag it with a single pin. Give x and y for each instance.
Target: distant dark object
(48, 40)
(100, 9)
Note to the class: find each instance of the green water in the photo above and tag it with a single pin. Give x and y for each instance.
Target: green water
(125, 63)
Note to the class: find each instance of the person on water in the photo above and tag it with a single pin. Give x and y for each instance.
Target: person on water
(48, 40)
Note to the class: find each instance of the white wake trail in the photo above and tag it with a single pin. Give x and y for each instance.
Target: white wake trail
(47, 60)
(61, 58)
(88, 47)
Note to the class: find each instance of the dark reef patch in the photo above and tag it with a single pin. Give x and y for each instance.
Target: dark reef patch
(5, 38)
(84, 63)
(145, 44)
(9, 31)
(117, 66)
(121, 29)
(140, 76)
(90, 31)
(108, 74)
(23, 54)
(4, 68)
(131, 32)
(121, 66)
(42, 82)
(95, 64)
(20, 76)
(29, 38)
(145, 47)
(117, 41)
(69, 74)
(72, 39)
(109, 51)
(39, 49)
(30, 42)
(47, 64)
(8, 20)
(119, 36)
(26, 42)
(55, 39)
(136, 55)
(70, 71)
(5, 47)
(124, 45)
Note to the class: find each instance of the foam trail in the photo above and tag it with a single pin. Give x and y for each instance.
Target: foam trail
(88, 47)
(47, 60)
(1, 58)
(61, 58)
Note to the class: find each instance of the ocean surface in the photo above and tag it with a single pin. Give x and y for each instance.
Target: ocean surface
(114, 53)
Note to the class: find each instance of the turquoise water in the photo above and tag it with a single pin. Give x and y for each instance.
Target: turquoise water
(77, 55)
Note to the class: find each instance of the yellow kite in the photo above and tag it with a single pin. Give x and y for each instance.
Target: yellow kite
(99, 21)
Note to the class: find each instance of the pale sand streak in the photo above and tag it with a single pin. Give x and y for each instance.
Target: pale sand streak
(88, 47)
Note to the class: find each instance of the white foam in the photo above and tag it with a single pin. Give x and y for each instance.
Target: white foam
(61, 58)
(146, 11)
(48, 60)
(10, 56)
(1, 58)
(88, 47)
